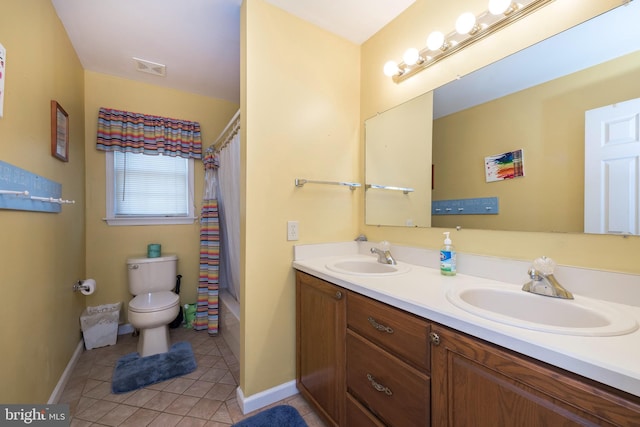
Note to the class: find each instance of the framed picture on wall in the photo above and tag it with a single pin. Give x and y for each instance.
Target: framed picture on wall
(59, 132)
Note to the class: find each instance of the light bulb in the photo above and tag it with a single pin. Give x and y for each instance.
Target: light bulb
(411, 56)
(391, 69)
(435, 41)
(466, 23)
(500, 7)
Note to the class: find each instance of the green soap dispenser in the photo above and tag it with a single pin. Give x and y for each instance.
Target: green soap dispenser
(447, 257)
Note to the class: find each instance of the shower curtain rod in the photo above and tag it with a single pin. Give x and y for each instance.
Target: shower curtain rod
(227, 133)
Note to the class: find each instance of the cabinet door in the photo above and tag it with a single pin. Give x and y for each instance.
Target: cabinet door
(478, 384)
(321, 326)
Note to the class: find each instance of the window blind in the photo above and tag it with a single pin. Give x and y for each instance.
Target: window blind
(150, 185)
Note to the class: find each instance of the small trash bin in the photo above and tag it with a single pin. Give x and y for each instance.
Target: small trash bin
(100, 325)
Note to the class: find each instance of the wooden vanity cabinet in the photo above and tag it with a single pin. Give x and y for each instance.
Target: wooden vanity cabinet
(475, 383)
(320, 329)
(362, 363)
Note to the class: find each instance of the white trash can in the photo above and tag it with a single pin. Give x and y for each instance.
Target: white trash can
(100, 325)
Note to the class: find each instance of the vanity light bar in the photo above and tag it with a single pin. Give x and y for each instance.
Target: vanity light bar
(470, 29)
(405, 190)
(300, 182)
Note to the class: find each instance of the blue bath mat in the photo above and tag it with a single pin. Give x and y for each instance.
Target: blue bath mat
(133, 372)
(281, 416)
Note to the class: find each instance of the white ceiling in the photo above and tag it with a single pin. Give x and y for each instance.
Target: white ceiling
(197, 40)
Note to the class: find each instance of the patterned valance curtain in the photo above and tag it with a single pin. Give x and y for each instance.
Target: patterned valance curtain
(141, 133)
(208, 282)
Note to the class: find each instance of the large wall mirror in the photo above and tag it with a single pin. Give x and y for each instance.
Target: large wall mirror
(534, 101)
(398, 164)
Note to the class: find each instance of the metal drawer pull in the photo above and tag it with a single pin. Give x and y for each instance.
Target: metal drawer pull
(380, 327)
(379, 387)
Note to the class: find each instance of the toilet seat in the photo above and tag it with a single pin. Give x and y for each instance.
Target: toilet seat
(154, 301)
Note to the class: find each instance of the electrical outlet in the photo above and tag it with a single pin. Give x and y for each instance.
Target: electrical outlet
(292, 230)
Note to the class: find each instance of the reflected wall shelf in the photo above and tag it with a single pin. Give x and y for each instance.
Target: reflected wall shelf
(405, 190)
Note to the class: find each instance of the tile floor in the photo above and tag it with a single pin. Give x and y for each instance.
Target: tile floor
(205, 397)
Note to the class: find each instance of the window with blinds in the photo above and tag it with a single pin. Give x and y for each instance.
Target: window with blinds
(144, 189)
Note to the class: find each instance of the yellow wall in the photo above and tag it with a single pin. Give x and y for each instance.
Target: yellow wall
(108, 247)
(379, 93)
(42, 254)
(300, 113)
(547, 122)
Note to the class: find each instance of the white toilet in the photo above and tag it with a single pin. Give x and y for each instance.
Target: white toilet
(154, 305)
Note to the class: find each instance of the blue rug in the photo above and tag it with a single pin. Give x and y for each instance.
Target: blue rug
(133, 372)
(278, 416)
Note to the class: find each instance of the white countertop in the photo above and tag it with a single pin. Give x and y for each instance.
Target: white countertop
(611, 360)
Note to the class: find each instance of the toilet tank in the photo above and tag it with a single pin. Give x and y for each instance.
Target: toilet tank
(152, 274)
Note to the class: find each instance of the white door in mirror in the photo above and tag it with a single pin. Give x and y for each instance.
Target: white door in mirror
(611, 177)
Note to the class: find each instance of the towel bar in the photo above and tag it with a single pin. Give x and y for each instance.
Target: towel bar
(352, 185)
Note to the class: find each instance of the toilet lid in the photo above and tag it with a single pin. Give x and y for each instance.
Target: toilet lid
(154, 301)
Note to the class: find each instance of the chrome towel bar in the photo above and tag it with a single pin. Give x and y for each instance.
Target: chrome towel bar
(352, 185)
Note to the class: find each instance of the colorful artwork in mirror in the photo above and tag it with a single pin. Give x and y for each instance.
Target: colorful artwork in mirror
(503, 166)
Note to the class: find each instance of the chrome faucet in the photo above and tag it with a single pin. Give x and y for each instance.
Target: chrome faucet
(543, 282)
(384, 256)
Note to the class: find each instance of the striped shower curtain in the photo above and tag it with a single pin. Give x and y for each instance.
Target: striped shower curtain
(207, 305)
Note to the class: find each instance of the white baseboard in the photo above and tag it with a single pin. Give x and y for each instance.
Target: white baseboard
(66, 374)
(265, 398)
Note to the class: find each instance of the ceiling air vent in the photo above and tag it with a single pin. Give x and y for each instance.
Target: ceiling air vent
(150, 67)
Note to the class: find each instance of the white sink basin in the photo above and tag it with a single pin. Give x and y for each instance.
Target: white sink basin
(367, 266)
(512, 306)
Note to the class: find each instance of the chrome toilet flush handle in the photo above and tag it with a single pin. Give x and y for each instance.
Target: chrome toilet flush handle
(133, 267)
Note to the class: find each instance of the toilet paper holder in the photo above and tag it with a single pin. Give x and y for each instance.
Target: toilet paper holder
(80, 286)
(86, 288)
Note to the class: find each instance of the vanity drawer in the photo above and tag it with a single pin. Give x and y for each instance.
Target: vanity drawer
(391, 389)
(358, 415)
(397, 331)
